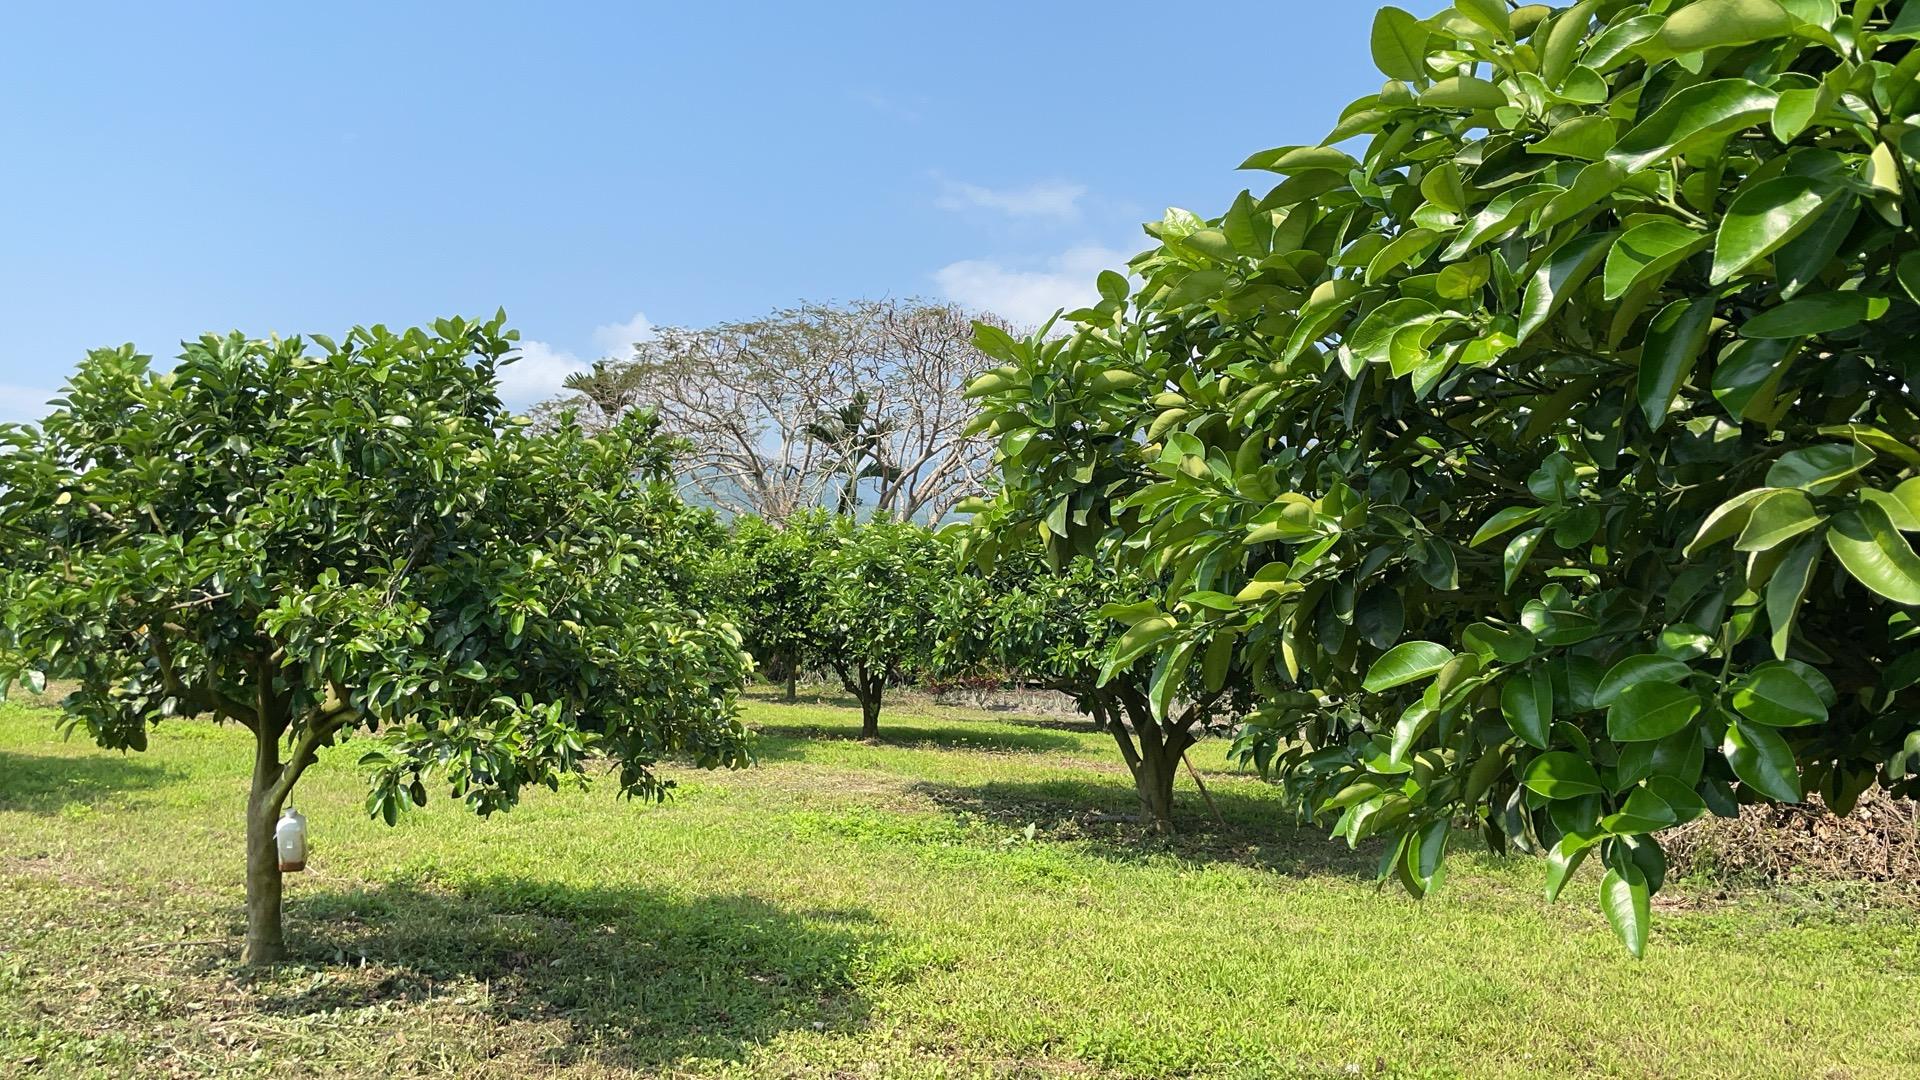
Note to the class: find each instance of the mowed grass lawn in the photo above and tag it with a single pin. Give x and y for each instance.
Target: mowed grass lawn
(854, 910)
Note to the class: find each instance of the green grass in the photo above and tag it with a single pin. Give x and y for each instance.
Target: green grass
(859, 910)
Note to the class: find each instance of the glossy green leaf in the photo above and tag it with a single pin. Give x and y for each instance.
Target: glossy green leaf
(1673, 345)
(1650, 710)
(1399, 45)
(1519, 550)
(1624, 898)
(1646, 251)
(1763, 217)
(1632, 670)
(1762, 760)
(1710, 108)
(1821, 313)
(1777, 518)
(1711, 24)
(1874, 552)
(1407, 662)
(1562, 774)
(1557, 279)
(1463, 92)
(1776, 695)
(1526, 701)
(1787, 588)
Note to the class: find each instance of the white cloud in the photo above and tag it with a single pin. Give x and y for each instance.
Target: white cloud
(1047, 199)
(543, 367)
(538, 374)
(25, 404)
(616, 339)
(1027, 296)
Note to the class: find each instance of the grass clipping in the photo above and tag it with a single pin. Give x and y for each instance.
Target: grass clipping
(1878, 842)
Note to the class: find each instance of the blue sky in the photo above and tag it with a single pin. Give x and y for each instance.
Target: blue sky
(596, 168)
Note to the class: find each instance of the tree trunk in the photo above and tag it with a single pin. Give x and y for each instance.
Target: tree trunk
(793, 682)
(1153, 756)
(266, 944)
(870, 715)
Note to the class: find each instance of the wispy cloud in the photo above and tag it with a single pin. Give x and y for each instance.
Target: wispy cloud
(538, 374)
(543, 367)
(617, 339)
(1026, 295)
(1047, 199)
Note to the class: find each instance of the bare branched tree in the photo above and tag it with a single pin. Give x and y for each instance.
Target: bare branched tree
(857, 406)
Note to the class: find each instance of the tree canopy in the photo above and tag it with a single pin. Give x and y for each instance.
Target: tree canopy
(361, 540)
(1551, 462)
(819, 405)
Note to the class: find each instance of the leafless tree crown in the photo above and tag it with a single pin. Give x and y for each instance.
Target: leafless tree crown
(849, 405)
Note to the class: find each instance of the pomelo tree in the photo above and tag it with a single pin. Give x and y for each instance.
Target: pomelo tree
(360, 540)
(767, 573)
(1567, 427)
(875, 586)
(1066, 629)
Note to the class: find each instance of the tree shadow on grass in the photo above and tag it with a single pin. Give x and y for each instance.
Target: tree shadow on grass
(1257, 832)
(50, 783)
(789, 742)
(638, 978)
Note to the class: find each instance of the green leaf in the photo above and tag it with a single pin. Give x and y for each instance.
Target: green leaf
(1818, 469)
(1679, 796)
(1646, 711)
(1725, 520)
(1802, 260)
(1646, 251)
(1519, 551)
(1762, 760)
(1409, 661)
(1399, 45)
(1902, 504)
(1558, 277)
(1289, 160)
(1673, 345)
(1643, 812)
(1526, 701)
(1624, 897)
(1561, 774)
(1585, 137)
(472, 669)
(1563, 860)
(1775, 695)
(1504, 521)
(1786, 588)
(1645, 667)
(1747, 376)
(1821, 313)
(1463, 92)
(1875, 553)
(1708, 109)
(1712, 24)
(1762, 218)
(1779, 517)
(1491, 14)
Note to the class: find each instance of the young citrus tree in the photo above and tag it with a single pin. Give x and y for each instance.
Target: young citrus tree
(769, 579)
(876, 585)
(1061, 630)
(359, 540)
(1558, 453)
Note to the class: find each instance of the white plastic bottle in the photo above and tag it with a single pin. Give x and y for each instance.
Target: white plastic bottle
(290, 837)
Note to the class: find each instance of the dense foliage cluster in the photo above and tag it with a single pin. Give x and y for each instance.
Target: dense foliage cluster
(361, 540)
(1055, 628)
(1551, 464)
(828, 592)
